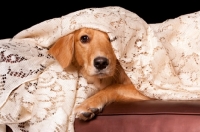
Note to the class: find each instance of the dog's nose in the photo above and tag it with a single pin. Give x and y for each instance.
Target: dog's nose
(101, 63)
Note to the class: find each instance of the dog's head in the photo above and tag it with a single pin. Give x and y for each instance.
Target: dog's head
(91, 49)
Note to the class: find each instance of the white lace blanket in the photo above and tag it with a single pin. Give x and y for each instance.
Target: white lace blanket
(162, 60)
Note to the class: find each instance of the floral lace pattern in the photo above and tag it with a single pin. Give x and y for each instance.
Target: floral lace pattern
(162, 61)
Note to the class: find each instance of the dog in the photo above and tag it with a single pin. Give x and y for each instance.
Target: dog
(90, 51)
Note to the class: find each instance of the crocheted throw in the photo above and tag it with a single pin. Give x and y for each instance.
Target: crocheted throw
(36, 94)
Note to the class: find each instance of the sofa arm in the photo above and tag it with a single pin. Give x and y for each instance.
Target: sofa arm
(143, 116)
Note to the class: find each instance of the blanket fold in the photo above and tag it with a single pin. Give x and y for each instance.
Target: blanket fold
(162, 60)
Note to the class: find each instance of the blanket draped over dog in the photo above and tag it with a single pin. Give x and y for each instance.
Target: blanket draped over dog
(36, 94)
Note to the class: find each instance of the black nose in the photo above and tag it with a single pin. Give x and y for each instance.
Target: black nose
(101, 63)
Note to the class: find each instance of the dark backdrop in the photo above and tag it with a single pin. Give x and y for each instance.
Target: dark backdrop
(16, 16)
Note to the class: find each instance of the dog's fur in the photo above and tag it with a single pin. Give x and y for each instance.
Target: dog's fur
(90, 51)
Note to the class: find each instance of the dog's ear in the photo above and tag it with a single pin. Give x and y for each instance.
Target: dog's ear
(63, 50)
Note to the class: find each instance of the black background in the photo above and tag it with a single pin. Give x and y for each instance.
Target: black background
(16, 16)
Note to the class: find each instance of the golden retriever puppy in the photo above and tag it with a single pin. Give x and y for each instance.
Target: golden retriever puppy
(91, 52)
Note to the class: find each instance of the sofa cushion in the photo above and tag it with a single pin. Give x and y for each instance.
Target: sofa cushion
(143, 116)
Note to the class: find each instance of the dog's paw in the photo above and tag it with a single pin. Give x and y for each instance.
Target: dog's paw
(86, 112)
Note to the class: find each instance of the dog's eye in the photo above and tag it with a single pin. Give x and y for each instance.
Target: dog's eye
(84, 39)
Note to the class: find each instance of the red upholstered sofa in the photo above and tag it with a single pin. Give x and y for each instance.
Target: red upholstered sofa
(143, 116)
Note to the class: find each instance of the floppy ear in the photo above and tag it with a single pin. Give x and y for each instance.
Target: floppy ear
(63, 50)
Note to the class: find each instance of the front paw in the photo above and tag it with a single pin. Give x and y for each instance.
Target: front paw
(87, 111)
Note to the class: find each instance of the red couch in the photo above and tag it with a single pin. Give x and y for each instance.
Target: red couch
(145, 116)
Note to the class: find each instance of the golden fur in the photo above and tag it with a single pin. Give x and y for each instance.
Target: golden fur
(91, 52)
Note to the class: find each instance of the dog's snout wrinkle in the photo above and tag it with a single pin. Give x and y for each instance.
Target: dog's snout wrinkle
(101, 63)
